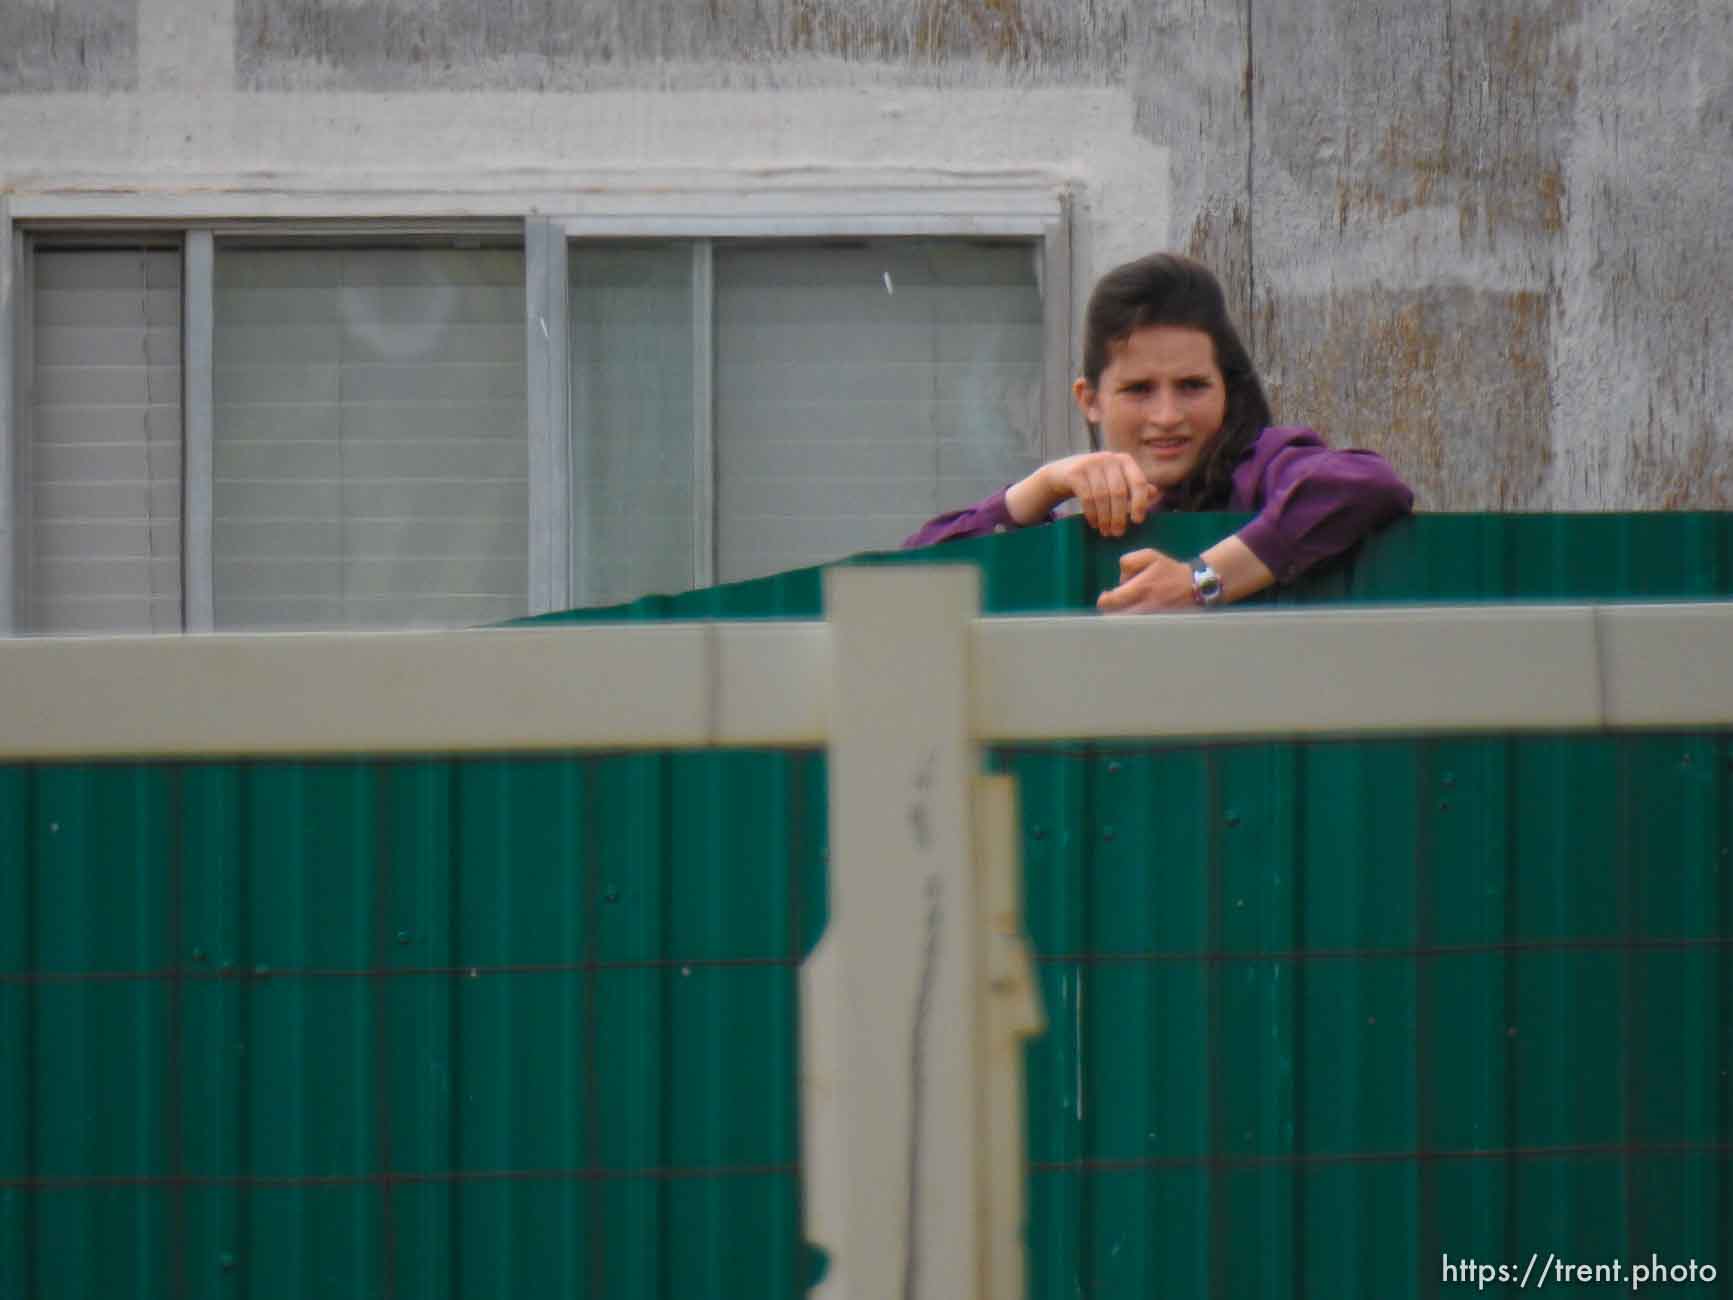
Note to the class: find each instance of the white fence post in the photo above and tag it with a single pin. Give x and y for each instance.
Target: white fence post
(899, 1152)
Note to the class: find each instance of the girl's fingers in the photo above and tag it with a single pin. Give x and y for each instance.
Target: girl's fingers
(1136, 488)
(1086, 492)
(1135, 562)
(1112, 491)
(1077, 485)
(1143, 498)
(1100, 494)
(1121, 500)
(1116, 599)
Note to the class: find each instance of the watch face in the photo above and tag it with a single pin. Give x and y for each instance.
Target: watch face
(1207, 584)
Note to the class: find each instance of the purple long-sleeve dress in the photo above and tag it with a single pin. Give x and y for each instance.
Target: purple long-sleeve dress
(1312, 502)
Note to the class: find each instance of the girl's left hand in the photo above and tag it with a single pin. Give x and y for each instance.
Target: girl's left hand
(1149, 582)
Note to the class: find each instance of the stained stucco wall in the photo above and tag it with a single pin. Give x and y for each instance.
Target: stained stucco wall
(1493, 240)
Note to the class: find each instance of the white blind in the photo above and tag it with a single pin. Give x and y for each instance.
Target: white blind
(862, 388)
(102, 452)
(631, 418)
(370, 437)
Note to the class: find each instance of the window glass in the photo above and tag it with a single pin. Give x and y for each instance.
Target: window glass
(370, 440)
(631, 419)
(859, 388)
(102, 443)
(863, 388)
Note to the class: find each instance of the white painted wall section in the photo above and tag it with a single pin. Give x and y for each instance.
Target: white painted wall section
(222, 153)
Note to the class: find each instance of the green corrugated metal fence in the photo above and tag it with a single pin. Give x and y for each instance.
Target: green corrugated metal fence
(1320, 1014)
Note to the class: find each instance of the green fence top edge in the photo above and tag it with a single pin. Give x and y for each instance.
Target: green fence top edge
(1422, 559)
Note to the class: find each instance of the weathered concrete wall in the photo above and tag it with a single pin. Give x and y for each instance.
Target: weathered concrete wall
(68, 45)
(1408, 231)
(681, 44)
(1646, 275)
(1492, 238)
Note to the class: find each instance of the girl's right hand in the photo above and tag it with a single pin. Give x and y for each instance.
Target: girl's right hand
(1109, 485)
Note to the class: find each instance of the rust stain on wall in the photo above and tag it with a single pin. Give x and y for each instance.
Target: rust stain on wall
(1678, 460)
(1449, 384)
(1383, 113)
(1410, 217)
(1690, 473)
(1223, 244)
(1517, 192)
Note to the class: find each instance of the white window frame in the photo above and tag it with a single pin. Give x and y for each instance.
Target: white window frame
(198, 241)
(546, 223)
(12, 404)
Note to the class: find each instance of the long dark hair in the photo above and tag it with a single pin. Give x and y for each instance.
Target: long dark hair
(1167, 289)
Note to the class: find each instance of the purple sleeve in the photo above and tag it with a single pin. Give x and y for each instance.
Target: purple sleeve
(1313, 502)
(978, 520)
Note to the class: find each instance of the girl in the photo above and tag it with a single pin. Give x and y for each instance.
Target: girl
(1178, 407)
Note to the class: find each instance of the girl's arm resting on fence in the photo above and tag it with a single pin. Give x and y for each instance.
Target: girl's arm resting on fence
(1313, 502)
(978, 520)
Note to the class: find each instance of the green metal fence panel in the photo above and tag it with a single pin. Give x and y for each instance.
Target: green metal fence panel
(1321, 1014)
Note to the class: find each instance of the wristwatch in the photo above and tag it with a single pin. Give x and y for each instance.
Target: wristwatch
(1206, 583)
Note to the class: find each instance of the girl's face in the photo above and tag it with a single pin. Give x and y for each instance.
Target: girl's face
(1161, 399)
